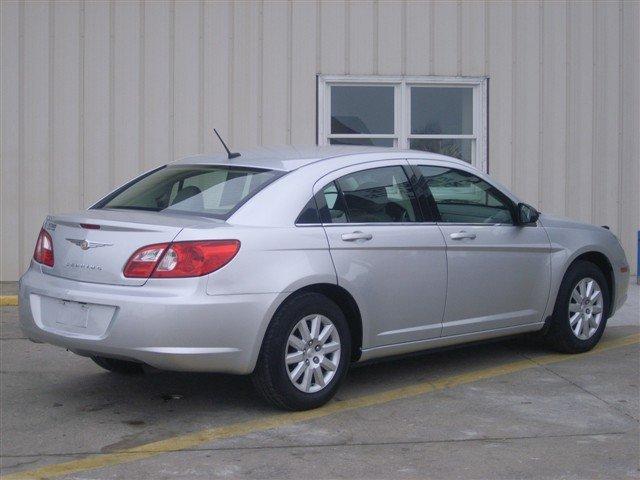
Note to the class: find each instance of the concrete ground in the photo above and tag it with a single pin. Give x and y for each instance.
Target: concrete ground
(507, 409)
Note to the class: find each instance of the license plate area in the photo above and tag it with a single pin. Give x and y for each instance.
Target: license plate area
(82, 319)
(72, 314)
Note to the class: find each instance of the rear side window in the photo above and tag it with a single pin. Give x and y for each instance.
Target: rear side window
(335, 210)
(376, 195)
(309, 214)
(215, 191)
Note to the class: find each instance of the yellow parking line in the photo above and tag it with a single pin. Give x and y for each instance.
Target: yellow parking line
(192, 440)
(8, 300)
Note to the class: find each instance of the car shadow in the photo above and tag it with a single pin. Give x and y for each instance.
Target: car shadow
(144, 399)
(174, 392)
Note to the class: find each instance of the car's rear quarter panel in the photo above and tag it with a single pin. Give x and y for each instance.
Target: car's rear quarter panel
(272, 262)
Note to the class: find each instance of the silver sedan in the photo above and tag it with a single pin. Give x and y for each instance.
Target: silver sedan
(290, 264)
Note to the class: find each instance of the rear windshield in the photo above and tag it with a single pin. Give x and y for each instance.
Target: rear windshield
(215, 191)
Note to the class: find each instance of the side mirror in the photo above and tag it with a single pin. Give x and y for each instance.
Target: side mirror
(527, 214)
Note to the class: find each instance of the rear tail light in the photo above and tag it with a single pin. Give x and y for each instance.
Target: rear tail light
(43, 252)
(144, 260)
(181, 259)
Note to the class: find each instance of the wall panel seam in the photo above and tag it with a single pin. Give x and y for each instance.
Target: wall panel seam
(594, 107)
(487, 52)
(21, 128)
(620, 118)
(569, 104)
(111, 93)
(232, 29)
(541, 18)
(172, 98)
(432, 37)
(318, 36)
(260, 92)
(50, 108)
(459, 37)
(81, 126)
(141, 85)
(201, 132)
(376, 37)
(403, 38)
(514, 66)
(289, 68)
(347, 37)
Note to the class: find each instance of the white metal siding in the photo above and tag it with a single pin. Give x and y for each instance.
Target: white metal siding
(94, 92)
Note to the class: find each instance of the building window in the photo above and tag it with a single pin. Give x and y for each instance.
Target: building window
(445, 115)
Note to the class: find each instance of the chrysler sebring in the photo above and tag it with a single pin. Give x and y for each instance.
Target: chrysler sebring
(289, 264)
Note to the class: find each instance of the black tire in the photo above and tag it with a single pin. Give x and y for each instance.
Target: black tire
(270, 376)
(119, 366)
(559, 334)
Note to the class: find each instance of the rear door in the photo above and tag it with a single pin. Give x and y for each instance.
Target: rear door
(498, 272)
(385, 254)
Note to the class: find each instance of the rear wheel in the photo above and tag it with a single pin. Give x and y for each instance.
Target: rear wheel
(119, 366)
(580, 314)
(305, 353)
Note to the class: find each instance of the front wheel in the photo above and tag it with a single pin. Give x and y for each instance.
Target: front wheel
(305, 353)
(580, 313)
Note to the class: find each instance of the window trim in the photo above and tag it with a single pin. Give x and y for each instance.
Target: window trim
(402, 109)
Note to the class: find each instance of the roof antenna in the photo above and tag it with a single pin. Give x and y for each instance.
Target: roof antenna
(230, 154)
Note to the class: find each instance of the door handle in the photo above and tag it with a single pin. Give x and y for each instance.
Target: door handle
(462, 235)
(352, 237)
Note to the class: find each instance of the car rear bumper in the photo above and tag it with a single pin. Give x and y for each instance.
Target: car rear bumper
(172, 327)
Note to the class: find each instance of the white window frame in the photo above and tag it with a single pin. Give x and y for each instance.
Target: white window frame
(402, 109)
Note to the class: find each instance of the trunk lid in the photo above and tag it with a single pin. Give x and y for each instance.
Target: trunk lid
(98, 255)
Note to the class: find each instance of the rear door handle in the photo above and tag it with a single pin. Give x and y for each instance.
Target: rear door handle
(352, 237)
(462, 235)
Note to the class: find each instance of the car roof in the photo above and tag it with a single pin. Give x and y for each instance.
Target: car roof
(288, 158)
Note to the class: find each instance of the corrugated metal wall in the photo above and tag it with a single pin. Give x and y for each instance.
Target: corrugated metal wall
(95, 92)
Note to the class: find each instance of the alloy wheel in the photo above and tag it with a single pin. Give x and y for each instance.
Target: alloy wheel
(586, 307)
(312, 354)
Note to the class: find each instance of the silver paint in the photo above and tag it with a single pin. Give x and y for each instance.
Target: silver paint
(416, 285)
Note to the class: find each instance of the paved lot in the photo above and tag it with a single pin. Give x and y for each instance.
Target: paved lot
(501, 410)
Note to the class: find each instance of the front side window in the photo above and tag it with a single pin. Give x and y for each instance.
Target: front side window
(440, 115)
(214, 191)
(377, 195)
(461, 197)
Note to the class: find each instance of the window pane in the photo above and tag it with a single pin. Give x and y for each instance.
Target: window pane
(441, 110)
(452, 147)
(373, 142)
(362, 109)
(309, 213)
(461, 197)
(378, 195)
(206, 190)
(334, 205)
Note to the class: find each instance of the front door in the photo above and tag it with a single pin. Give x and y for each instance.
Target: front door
(392, 262)
(498, 272)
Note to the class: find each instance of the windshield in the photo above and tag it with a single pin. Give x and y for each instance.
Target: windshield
(214, 190)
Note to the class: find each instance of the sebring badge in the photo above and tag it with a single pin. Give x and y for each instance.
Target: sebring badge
(84, 266)
(85, 245)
